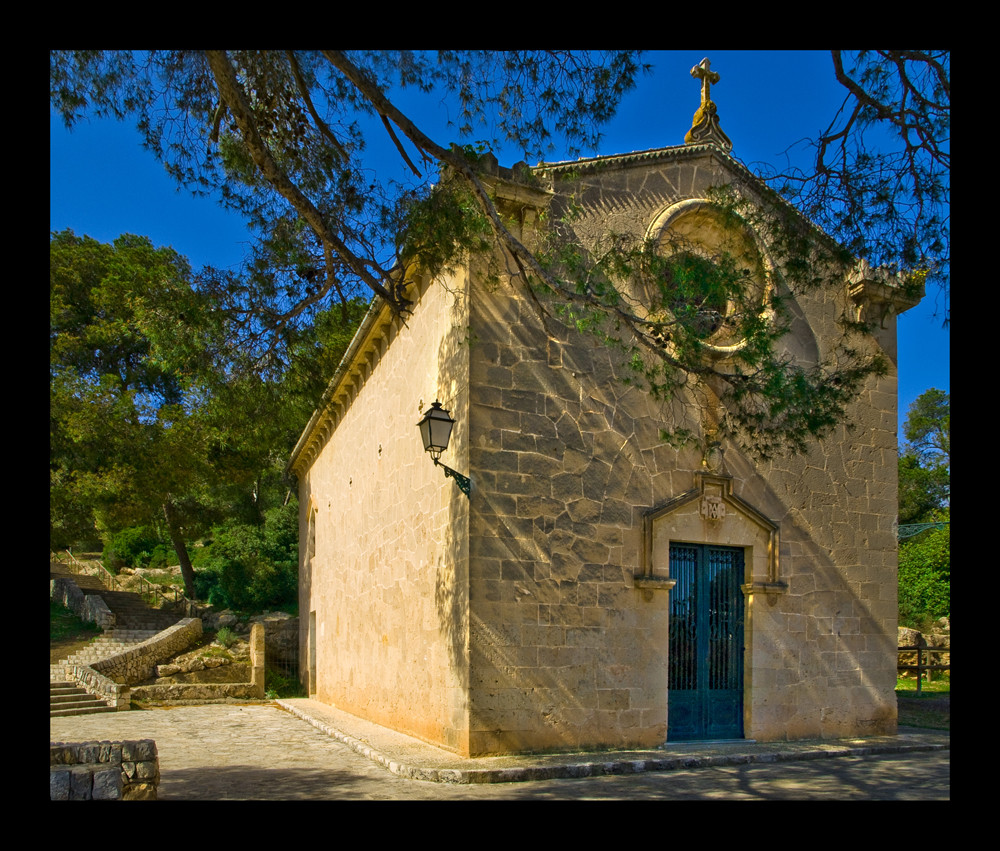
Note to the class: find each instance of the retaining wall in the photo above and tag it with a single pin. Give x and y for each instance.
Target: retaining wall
(103, 771)
(139, 662)
(253, 690)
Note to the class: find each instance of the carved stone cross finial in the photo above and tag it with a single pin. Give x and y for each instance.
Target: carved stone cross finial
(705, 126)
(703, 71)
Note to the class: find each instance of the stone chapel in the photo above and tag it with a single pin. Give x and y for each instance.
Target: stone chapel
(581, 583)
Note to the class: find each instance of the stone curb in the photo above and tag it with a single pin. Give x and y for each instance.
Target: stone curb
(574, 767)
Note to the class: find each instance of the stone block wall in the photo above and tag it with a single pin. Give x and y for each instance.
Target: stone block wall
(384, 533)
(139, 662)
(104, 771)
(564, 653)
(185, 692)
(281, 638)
(566, 460)
(564, 650)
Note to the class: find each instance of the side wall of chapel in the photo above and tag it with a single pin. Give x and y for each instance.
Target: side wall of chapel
(384, 554)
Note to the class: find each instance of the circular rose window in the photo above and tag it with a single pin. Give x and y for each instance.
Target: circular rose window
(711, 259)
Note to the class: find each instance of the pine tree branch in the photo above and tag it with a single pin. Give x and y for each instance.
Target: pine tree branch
(232, 92)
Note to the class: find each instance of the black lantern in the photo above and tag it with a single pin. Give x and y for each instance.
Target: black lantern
(435, 430)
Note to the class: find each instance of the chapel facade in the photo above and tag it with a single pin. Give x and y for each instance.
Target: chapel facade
(596, 586)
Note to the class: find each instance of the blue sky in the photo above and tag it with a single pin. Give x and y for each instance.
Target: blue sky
(103, 184)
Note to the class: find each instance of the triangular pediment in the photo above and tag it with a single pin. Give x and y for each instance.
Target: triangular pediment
(712, 513)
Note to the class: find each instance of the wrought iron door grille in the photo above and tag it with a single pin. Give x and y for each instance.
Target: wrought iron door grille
(705, 653)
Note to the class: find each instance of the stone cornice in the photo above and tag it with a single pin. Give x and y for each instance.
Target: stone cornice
(347, 379)
(673, 152)
(877, 294)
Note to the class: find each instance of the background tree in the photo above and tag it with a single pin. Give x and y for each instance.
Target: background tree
(925, 459)
(925, 497)
(925, 579)
(928, 429)
(280, 137)
(126, 332)
(155, 419)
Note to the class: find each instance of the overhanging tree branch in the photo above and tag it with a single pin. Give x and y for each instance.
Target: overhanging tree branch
(232, 93)
(303, 89)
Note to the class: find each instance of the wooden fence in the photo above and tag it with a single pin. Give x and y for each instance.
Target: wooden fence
(922, 666)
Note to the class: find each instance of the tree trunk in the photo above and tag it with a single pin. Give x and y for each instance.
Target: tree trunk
(187, 572)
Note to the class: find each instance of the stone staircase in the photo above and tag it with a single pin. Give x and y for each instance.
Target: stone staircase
(71, 699)
(132, 614)
(107, 644)
(134, 623)
(67, 698)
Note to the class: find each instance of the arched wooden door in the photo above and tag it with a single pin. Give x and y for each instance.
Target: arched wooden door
(705, 654)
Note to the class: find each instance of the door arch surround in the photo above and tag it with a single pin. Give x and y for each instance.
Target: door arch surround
(710, 517)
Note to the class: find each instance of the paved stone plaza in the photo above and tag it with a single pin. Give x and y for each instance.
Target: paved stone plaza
(265, 752)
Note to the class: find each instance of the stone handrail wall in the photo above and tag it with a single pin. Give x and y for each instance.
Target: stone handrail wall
(109, 679)
(112, 693)
(103, 771)
(87, 607)
(139, 662)
(253, 690)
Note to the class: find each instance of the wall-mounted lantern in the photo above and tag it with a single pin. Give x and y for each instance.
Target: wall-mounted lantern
(435, 430)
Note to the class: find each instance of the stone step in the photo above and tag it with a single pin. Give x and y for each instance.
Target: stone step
(70, 695)
(83, 709)
(86, 658)
(130, 634)
(107, 645)
(129, 608)
(69, 699)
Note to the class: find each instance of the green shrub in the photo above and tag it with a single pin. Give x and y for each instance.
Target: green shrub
(925, 578)
(251, 568)
(132, 547)
(278, 684)
(201, 554)
(205, 581)
(162, 556)
(226, 637)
